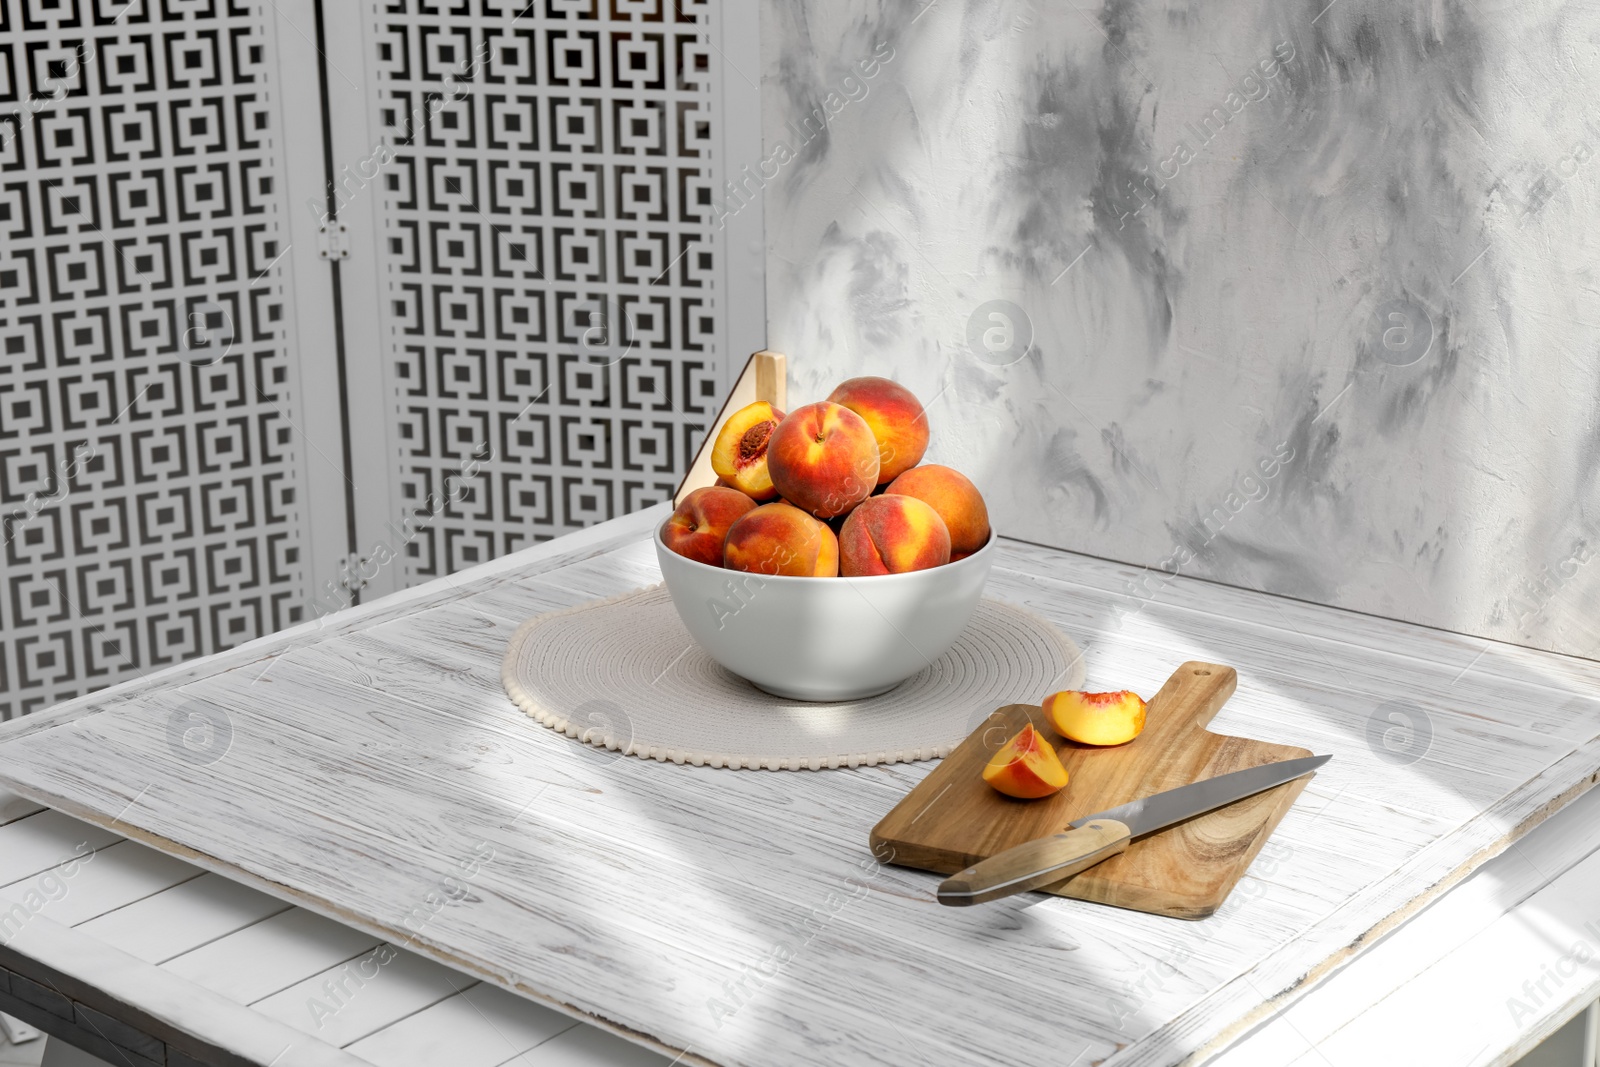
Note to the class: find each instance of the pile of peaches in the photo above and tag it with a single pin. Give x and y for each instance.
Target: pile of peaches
(832, 488)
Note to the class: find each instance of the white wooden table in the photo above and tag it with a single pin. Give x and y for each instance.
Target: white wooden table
(1463, 957)
(663, 889)
(140, 958)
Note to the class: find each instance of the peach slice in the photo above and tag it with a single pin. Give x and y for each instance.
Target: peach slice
(781, 539)
(955, 498)
(896, 419)
(1027, 767)
(699, 527)
(739, 454)
(1096, 718)
(823, 459)
(892, 535)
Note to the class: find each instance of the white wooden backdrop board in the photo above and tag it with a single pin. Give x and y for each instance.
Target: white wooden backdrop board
(370, 768)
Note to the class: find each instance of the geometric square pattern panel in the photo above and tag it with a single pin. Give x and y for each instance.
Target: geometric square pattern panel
(549, 263)
(150, 495)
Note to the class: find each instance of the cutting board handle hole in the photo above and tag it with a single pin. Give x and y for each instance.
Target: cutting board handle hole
(1206, 673)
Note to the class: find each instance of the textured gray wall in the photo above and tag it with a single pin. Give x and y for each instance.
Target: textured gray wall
(1294, 297)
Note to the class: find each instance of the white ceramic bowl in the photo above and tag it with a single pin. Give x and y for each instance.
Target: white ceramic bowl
(825, 638)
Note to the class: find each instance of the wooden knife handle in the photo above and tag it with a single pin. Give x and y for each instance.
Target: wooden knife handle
(1037, 863)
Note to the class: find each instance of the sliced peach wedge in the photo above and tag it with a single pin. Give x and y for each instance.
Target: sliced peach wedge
(1096, 718)
(1027, 767)
(739, 454)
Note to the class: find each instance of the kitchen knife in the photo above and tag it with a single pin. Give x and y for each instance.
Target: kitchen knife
(1096, 838)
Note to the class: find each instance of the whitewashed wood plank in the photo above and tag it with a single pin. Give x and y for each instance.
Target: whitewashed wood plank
(39, 842)
(1321, 655)
(482, 1026)
(1462, 758)
(173, 1008)
(570, 873)
(1426, 647)
(182, 918)
(1542, 957)
(391, 673)
(517, 601)
(627, 568)
(762, 840)
(1472, 758)
(1443, 788)
(598, 876)
(1119, 949)
(1281, 659)
(14, 807)
(109, 878)
(260, 960)
(1370, 913)
(346, 1003)
(1520, 709)
(584, 1046)
(1479, 776)
(1495, 889)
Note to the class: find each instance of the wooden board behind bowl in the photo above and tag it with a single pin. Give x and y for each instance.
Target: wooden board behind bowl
(953, 819)
(765, 377)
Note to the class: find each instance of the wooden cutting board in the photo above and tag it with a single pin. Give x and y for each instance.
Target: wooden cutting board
(953, 819)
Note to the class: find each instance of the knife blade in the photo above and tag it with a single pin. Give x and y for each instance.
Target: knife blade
(1096, 838)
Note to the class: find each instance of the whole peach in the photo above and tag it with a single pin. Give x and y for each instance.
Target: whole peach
(891, 535)
(699, 526)
(955, 498)
(779, 538)
(823, 459)
(896, 418)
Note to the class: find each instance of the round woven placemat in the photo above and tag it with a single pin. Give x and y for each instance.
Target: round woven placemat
(624, 675)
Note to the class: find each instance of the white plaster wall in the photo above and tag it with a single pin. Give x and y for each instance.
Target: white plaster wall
(1215, 380)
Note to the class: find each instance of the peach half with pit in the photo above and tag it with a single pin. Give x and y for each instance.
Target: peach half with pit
(823, 459)
(1026, 767)
(895, 417)
(699, 526)
(779, 538)
(892, 535)
(955, 498)
(739, 454)
(1096, 718)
